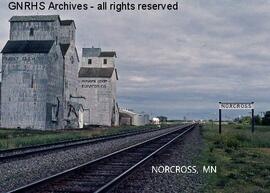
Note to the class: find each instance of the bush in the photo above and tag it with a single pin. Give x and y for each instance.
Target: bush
(242, 137)
(218, 143)
(232, 143)
(222, 182)
(211, 160)
(240, 127)
(232, 176)
(228, 150)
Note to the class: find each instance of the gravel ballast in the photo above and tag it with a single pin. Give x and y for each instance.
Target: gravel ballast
(21, 172)
(180, 153)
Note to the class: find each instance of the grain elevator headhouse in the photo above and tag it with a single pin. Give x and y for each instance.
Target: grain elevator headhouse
(97, 77)
(39, 79)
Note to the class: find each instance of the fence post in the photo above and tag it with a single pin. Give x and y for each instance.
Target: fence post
(219, 121)
(252, 120)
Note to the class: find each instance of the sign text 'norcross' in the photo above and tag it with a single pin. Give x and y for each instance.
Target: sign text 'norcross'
(236, 105)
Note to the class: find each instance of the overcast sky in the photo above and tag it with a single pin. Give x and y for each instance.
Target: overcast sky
(179, 63)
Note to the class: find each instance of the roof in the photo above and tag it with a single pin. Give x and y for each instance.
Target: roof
(91, 52)
(66, 22)
(64, 48)
(95, 72)
(108, 54)
(40, 18)
(127, 112)
(35, 18)
(96, 52)
(27, 46)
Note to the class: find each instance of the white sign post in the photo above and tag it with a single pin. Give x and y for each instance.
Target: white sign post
(237, 106)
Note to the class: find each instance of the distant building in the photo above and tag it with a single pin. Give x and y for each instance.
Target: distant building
(98, 77)
(129, 117)
(39, 79)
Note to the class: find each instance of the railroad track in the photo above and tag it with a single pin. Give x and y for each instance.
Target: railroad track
(6, 155)
(103, 174)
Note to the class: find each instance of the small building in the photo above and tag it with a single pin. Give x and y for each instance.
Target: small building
(97, 78)
(39, 74)
(129, 117)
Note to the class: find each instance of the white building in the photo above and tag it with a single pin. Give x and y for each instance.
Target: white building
(129, 117)
(98, 77)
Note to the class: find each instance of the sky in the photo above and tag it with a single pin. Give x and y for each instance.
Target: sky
(179, 63)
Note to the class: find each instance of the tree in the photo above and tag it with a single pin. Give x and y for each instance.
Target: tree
(258, 120)
(162, 118)
(245, 120)
(266, 118)
(237, 120)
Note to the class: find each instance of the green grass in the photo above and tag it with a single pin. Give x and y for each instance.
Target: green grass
(242, 159)
(14, 138)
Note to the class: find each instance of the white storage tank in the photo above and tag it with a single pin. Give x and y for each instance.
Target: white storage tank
(146, 119)
(138, 120)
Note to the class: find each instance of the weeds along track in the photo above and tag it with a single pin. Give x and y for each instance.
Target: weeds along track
(17, 153)
(104, 173)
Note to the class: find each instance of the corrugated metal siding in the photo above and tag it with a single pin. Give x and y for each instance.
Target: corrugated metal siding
(35, 83)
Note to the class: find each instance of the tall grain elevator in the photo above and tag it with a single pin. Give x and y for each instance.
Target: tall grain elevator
(39, 74)
(98, 77)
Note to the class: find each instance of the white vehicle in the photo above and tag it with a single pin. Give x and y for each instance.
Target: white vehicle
(156, 121)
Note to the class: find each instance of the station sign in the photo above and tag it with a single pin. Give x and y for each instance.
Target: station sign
(236, 105)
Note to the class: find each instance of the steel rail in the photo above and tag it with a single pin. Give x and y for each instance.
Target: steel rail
(107, 186)
(29, 150)
(119, 178)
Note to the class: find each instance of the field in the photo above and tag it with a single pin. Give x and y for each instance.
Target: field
(14, 138)
(242, 159)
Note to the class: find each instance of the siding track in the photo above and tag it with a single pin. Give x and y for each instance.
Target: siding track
(104, 173)
(17, 153)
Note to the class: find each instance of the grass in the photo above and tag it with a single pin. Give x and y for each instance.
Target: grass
(14, 138)
(242, 159)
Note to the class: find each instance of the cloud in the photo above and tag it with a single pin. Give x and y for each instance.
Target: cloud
(180, 62)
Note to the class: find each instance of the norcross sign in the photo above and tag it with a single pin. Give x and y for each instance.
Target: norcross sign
(236, 105)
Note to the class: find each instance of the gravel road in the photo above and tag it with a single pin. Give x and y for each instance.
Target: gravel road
(24, 171)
